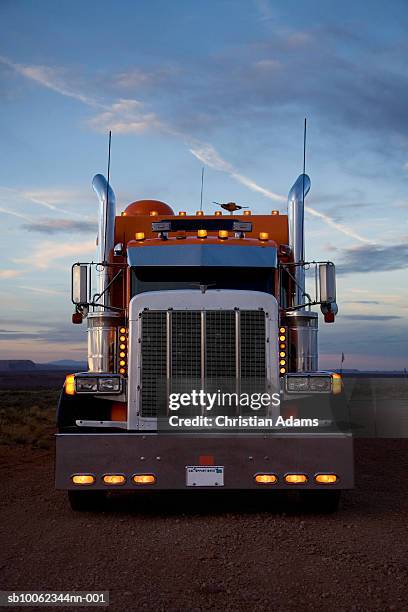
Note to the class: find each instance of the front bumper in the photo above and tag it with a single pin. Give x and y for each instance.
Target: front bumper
(167, 455)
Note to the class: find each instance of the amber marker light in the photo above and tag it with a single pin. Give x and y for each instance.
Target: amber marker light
(199, 213)
(282, 362)
(296, 478)
(114, 479)
(202, 233)
(326, 478)
(282, 371)
(144, 479)
(337, 384)
(247, 213)
(83, 479)
(182, 213)
(218, 213)
(122, 371)
(282, 338)
(275, 212)
(70, 384)
(263, 236)
(266, 478)
(223, 234)
(139, 236)
(154, 213)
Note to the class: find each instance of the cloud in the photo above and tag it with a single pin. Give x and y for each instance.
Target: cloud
(43, 290)
(50, 78)
(373, 258)
(207, 154)
(55, 226)
(45, 254)
(125, 117)
(360, 302)
(19, 215)
(10, 273)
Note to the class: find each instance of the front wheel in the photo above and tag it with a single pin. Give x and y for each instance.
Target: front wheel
(87, 501)
(323, 502)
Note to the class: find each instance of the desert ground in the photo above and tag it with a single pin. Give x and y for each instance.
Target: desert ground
(196, 553)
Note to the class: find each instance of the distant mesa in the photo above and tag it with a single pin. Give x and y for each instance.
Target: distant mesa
(7, 365)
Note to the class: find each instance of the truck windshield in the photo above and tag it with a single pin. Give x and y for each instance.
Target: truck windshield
(166, 278)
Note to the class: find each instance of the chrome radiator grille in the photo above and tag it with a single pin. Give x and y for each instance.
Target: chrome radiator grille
(213, 349)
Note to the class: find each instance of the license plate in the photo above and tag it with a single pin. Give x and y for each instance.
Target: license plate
(205, 476)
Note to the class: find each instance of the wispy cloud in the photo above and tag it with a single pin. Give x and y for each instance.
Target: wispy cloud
(45, 254)
(56, 226)
(125, 117)
(10, 273)
(208, 155)
(42, 290)
(19, 215)
(51, 78)
(373, 258)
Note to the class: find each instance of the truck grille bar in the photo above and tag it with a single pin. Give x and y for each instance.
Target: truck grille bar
(189, 349)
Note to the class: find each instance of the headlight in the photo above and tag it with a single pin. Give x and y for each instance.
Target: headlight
(313, 383)
(109, 384)
(297, 383)
(320, 383)
(86, 384)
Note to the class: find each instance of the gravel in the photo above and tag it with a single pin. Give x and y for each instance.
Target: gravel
(190, 553)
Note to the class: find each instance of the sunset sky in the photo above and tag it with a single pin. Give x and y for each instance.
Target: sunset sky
(224, 84)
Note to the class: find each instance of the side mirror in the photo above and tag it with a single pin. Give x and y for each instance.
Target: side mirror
(327, 282)
(79, 287)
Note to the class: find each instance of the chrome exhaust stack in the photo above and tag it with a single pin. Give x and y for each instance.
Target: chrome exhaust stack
(296, 216)
(103, 323)
(106, 230)
(302, 324)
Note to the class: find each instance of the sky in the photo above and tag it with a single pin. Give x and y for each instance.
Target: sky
(224, 84)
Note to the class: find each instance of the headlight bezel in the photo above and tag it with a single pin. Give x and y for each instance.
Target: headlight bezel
(98, 386)
(311, 383)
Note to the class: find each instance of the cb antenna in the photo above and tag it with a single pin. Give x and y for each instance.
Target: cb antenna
(107, 193)
(202, 188)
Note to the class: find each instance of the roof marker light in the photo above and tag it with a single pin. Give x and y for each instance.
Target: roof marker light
(199, 213)
(247, 213)
(154, 213)
(275, 212)
(218, 213)
(182, 213)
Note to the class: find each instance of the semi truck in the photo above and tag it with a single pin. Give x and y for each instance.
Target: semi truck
(185, 311)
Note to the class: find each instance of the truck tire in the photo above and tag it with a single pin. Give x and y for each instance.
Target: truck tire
(323, 502)
(87, 501)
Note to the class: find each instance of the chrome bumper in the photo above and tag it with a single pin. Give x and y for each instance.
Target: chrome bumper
(166, 456)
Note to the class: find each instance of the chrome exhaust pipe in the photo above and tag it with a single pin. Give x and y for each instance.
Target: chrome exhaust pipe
(106, 230)
(102, 322)
(296, 215)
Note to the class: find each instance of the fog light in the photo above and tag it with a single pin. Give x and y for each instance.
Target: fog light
(266, 478)
(114, 479)
(202, 233)
(263, 236)
(140, 236)
(296, 478)
(83, 479)
(223, 234)
(144, 479)
(326, 478)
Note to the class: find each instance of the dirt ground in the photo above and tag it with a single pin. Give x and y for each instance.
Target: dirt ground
(210, 552)
(219, 553)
